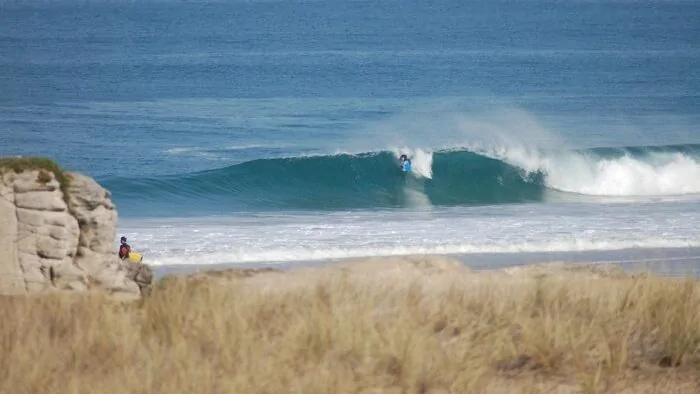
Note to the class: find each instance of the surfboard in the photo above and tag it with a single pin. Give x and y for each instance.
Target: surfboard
(135, 257)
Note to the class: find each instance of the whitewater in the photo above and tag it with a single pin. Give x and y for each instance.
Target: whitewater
(297, 236)
(625, 172)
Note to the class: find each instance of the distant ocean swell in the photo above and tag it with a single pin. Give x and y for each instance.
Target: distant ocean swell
(466, 176)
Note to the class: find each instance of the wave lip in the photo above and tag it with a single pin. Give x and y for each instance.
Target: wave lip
(474, 175)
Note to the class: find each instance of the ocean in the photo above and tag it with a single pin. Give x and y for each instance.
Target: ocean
(268, 131)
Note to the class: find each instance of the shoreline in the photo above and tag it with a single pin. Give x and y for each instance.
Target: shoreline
(671, 262)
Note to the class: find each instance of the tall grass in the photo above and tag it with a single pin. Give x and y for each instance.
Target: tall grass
(347, 335)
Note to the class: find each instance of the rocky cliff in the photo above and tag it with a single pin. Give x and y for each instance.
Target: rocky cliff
(60, 236)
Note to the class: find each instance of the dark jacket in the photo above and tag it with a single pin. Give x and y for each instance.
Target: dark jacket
(124, 250)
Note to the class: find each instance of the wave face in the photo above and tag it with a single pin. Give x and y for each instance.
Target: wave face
(468, 176)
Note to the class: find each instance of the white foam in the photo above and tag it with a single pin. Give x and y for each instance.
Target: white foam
(310, 254)
(504, 229)
(657, 174)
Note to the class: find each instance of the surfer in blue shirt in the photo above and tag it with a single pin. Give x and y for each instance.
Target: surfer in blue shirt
(405, 163)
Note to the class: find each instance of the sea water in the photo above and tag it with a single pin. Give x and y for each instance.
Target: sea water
(248, 132)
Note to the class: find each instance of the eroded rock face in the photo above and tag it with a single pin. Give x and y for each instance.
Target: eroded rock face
(49, 241)
(11, 274)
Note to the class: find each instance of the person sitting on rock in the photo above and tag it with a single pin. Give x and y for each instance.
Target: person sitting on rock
(124, 249)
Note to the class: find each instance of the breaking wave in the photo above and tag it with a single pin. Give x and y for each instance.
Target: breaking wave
(465, 176)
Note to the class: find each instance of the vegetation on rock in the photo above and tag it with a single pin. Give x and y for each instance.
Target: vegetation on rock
(42, 164)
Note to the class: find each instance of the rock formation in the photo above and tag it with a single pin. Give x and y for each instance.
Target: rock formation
(61, 237)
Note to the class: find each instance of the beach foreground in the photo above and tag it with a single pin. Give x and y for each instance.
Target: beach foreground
(390, 325)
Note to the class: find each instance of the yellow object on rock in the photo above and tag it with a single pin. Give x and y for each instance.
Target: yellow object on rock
(135, 257)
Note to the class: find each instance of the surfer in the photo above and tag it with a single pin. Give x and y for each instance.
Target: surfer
(124, 249)
(405, 163)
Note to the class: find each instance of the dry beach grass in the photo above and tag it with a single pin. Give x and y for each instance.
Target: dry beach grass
(405, 325)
